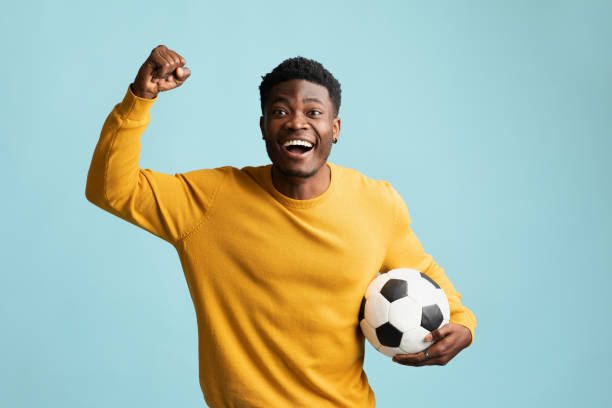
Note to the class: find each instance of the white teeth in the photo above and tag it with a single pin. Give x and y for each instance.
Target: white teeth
(297, 143)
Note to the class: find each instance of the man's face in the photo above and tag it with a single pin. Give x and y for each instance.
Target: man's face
(298, 124)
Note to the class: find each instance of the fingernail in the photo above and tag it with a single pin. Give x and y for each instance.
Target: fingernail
(428, 337)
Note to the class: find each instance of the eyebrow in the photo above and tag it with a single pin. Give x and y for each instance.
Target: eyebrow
(312, 100)
(305, 100)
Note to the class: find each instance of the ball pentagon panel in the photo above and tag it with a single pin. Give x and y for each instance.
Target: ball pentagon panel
(427, 278)
(388, 335)
(431, 317)
(361, 314)
(376, 284)
(394, 289)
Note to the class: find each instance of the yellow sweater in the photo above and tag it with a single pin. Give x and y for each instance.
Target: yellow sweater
(276, 282)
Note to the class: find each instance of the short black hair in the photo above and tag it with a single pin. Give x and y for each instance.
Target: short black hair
(300, 68)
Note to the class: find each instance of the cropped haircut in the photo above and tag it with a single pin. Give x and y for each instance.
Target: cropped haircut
(300, 68)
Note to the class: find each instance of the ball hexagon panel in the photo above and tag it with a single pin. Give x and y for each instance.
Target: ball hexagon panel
(403, 273)
(388, 335)
(422, 292)
(376, 284)
(376, 310)
(394, 289)
(444, 307)
(413, 340)
(370, 333)
(390, 351)
(405, 314)
(432, 317)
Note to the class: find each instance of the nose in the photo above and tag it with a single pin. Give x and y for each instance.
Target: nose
(296, 121)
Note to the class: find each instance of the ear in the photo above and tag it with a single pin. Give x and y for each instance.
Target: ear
(336, 127)
(261, 127)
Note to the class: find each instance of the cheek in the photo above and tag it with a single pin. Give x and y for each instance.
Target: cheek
(325, 132)
(268, 132)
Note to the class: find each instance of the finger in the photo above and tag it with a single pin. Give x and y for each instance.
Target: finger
(182, 74)
(431, 362)
(423, 358)
(168, 83)
(438, 355)
(166, 65)
(174, 77)
(155, 59)
(158, 62)
(177, 60)
(172, 81)
(438, 334)
(410, 359)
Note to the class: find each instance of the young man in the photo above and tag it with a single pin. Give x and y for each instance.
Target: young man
(278, 257)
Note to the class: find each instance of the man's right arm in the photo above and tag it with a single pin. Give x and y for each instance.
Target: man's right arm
(166, 205)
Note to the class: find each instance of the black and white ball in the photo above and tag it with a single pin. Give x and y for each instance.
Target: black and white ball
(398, 310)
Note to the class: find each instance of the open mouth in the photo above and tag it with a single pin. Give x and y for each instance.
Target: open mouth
(297, 146)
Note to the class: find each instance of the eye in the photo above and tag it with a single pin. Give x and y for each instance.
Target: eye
(279, 112)
(315, 112)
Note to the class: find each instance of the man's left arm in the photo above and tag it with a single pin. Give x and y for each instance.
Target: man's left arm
(406, 251)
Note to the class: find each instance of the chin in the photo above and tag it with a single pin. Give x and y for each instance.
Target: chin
(298, 173)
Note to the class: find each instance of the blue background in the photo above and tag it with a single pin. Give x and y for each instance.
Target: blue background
(492, 119)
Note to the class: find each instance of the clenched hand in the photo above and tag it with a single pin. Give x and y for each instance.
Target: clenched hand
(162, 71)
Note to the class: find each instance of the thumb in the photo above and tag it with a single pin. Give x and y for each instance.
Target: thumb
(182, 73)
(438, 334)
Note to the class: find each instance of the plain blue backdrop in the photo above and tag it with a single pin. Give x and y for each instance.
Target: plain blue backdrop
(492, 119)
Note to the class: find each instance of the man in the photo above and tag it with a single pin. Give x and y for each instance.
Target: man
(277, 257)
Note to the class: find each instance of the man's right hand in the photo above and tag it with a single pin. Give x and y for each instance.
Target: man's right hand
(162, 71)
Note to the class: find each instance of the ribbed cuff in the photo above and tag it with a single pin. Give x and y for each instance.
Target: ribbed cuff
(467, 326)
(466, 318)
(134, 107)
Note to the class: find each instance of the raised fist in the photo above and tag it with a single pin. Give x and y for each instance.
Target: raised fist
(162, 71)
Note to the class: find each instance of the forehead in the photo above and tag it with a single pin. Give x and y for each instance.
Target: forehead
(299, 90)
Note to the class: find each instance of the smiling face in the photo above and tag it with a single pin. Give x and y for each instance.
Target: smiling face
(298, 124)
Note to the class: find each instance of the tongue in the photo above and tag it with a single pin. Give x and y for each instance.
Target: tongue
(298, 149)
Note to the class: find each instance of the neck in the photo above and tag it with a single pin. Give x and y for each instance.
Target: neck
(302, 188)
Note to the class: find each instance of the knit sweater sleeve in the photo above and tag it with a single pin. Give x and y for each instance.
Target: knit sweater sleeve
(406, 251)
(168, 206)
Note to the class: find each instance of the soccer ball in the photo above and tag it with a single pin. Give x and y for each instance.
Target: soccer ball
(398, 310)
